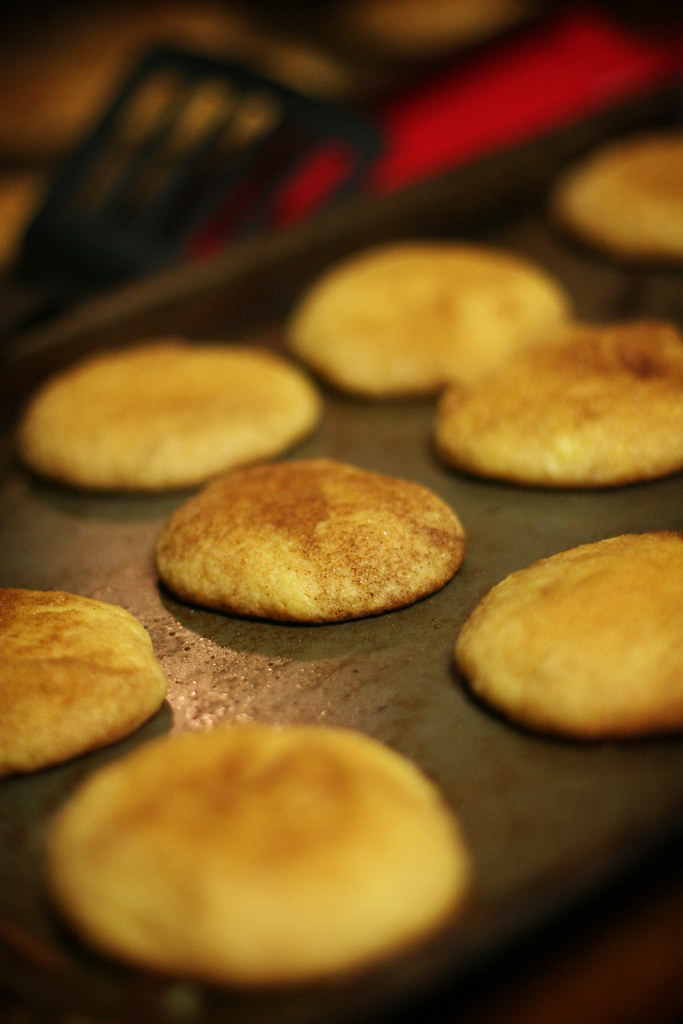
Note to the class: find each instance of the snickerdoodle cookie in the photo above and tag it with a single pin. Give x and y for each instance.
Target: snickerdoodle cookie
(254, 854)
(311, 541)
(165, 414)
(626, 198)
(75, 674)
(587, 643)
(419, 29)
(407, 318)
(603, 408)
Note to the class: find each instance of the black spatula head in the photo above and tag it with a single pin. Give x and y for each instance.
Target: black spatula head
(192, 153)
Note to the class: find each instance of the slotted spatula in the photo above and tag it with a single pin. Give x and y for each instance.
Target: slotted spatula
(193, 153)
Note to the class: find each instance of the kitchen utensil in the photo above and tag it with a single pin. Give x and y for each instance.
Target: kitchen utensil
(192, 152)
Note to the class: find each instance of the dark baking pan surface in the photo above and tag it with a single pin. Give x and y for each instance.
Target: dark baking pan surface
(550, 823)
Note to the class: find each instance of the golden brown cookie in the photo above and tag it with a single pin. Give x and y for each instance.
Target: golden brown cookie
(419, 29)
(587, 643)
(58, 77)
(626, 197)
(602, 409)
(309, 541)
(409, 317)
(75, 674)
(165, 414)
(21, 192)
(252, 855)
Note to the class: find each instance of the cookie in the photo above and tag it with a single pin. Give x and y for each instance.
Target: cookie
(407, 318)
(165, 414)
(309, 541)
(586, 644)
(603, 408)
(626, 198)
(56, 83)
(257, 855)
(21, 192)
(76, 674)
(424, 29)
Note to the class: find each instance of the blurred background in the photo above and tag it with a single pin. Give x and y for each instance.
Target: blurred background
(440, 82)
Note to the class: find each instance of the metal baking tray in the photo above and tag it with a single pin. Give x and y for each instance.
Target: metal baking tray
(550, 823)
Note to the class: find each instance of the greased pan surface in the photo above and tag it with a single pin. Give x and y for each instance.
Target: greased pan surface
(548, 822)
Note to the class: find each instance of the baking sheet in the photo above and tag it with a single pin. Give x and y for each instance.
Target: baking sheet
(549, 822)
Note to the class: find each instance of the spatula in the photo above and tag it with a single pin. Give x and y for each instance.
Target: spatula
(193, 153)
